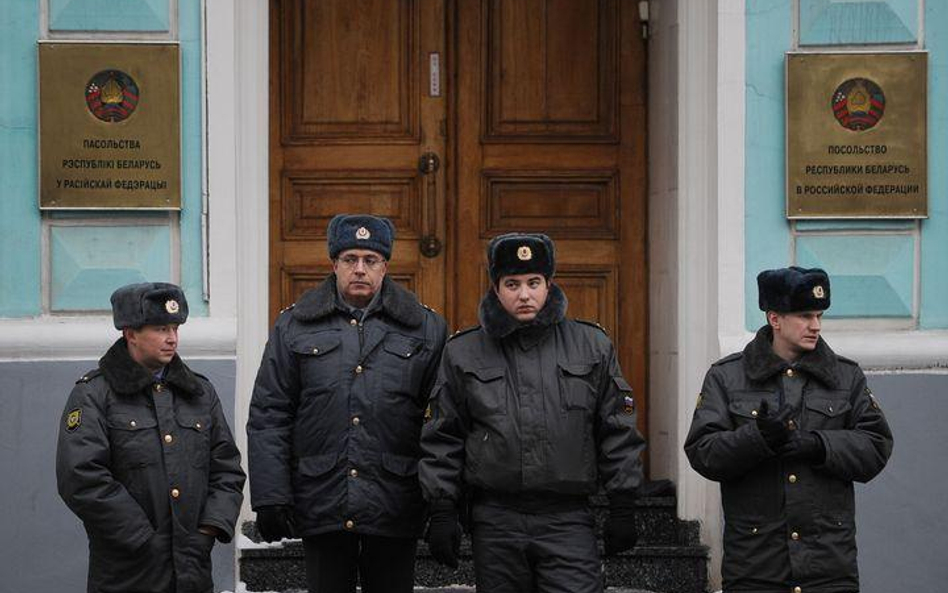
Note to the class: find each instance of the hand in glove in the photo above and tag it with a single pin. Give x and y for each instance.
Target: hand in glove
(444, 532)
(773, 427)
(804, 446)
(619, 533)
(275, 522)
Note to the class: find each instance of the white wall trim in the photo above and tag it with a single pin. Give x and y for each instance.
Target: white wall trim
(88, 337)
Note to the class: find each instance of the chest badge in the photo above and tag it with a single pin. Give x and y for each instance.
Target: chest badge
(73, 420)
(628, 405)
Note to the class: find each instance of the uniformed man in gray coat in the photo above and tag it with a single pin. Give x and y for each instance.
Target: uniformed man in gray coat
(786, 427)
(336, 415)
(530, 415)
(145, 457)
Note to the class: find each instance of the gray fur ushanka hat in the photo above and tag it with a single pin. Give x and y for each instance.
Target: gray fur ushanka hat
(360, 231)
(787, 290)
(148, 303)
(521, 253)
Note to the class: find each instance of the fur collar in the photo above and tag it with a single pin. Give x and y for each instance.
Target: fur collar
(126, 376)
(397, 303)
(761, 363)
(498, 323)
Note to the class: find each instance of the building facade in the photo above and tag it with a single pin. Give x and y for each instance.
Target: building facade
(707, 214)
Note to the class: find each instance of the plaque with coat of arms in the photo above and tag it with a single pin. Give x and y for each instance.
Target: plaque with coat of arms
(109, 126)
(857, 135)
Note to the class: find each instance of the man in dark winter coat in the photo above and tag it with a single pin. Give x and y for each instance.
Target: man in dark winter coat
(336, 416)
(530, 415)
(145, 457)
(786, 427)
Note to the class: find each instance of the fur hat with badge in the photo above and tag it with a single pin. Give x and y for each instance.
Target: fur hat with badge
(793, 289)
(521, 253)
(148, 303)
(360, 231)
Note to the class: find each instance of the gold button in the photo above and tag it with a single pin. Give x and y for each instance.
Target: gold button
(754, 413)
(754, 531)
(797, 590)
(791, 425)
(353, 472)
(359, 369)
(197, 425)
(350, 524)
(794, 536)
(789, 372)
(353, 322)
(315, 350)
(175, 493)
(831, 409)
(159, 387)
(355, 421)
(792, 479)
(133, 424)
(168, 438)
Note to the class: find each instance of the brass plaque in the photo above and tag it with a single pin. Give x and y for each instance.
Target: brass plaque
(857, 135)
(110, 126)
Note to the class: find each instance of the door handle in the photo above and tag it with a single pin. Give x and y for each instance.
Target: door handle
(429, 244)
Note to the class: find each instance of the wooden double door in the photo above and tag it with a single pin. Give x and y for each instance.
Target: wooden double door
(460, 120)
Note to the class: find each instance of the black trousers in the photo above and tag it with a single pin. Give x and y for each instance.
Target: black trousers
(383, 564)
(545, 552)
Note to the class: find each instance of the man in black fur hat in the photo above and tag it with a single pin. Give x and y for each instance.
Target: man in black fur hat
(336, 415)
(145, 457)
(530, 415)
(786, 427)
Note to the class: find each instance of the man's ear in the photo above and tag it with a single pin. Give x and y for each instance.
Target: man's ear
(773, 319)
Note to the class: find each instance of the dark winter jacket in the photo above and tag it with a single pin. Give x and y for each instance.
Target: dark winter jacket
(144, 463)
(337, 409)
(533, 410)
(788, 523)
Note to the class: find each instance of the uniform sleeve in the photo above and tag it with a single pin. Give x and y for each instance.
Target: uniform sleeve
(859, 452)
(270, 424)
(85, 480)
(226, 486)
(716, 448)
(620, 444)
(443, 437)
(438, 334)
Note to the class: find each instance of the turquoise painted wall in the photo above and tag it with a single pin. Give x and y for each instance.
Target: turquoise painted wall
(91, 253)
(873, 263)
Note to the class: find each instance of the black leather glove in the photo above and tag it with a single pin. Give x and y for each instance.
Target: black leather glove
(620, 533)
(275, 522)
(805, 446)
(773, 427)
(444, 532)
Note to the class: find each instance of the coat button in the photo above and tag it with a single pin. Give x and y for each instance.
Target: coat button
(353, 472)
(159, 387)
(754, 530)
(197, 425)
(794, 536)
(355, 421)
(797, 590)
(789, 372)
(169, 438)
(315, 350)
(358, 369)
(754, 413)
(175, 493)
(791, 425)
(133, 424)
(350, 524)
(353, 322)
(792, 478)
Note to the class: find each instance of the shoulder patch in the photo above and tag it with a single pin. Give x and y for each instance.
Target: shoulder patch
(461, 332)
(88, 376)
(73, 419)
(592, 324)
(729, 358)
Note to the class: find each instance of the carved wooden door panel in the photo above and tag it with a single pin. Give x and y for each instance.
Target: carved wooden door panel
(550, 137)
(353, 112)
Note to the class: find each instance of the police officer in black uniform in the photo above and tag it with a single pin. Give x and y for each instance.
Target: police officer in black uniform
(145, 457)
(336, 415)
(786, 427)
(530, 415)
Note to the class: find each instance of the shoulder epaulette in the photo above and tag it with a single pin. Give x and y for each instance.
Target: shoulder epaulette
(427, 307)
(88, 376)
(729, 358)
(466, 330)
(592, 324)
(285, 309)
(847, 360)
